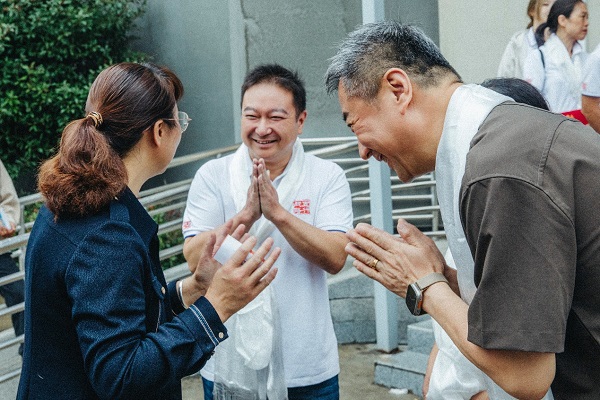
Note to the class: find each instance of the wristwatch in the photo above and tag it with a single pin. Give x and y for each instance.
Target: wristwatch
(414, 294)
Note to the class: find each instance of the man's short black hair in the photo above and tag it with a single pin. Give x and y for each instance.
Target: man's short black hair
(281, 76)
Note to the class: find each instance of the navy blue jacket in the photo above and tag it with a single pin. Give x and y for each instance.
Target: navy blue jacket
(100, 319)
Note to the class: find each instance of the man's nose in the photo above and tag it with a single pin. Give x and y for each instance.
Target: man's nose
(262, 128)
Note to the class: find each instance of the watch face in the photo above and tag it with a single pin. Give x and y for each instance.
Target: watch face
(413, 299)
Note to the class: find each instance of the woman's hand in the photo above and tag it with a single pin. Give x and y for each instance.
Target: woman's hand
(238, 282)
(6, 232)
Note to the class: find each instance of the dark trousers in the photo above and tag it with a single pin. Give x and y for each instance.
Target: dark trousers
(327, 390)
(13, 292)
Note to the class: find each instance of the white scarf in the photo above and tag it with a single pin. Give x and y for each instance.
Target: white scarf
(470, 105)
(255, 330)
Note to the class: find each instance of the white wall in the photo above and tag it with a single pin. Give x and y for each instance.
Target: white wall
(593, 38)
(211, 44)
(474, 33)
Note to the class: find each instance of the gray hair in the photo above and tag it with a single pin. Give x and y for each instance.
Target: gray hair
(372, 49)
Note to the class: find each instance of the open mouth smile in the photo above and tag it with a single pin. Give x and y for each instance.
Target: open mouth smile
(264, 141)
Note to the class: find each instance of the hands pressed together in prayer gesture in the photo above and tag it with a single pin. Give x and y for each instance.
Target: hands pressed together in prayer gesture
(321, 247)
(262, 195)
(395, 262)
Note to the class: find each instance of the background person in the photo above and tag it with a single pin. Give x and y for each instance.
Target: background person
(590, 90)
(518, 90)
(12, 292)
(556, 70)
(101, 321)
(271, 185)
(524, 41)
(515, 186)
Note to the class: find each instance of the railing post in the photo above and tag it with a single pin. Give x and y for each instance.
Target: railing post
(386, 303)
(22, 231)
(373, 11)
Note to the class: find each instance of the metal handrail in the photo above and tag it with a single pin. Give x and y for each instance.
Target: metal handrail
(17, 276)
(411, 185)
(182, 160)
(13, 243)
(12, 309)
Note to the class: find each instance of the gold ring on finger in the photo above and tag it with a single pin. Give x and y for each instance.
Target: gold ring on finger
(373, 263)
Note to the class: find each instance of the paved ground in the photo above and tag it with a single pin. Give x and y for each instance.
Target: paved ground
(356, 377)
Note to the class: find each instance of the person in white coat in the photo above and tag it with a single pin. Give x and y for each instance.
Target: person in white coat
(556, 70)
(524, 41)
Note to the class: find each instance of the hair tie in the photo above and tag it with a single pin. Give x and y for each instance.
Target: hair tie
(96, 116)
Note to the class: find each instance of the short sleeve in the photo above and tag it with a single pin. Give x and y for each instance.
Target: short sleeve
(591, 75)
(335, 205)
(204, 209)
(524, 251)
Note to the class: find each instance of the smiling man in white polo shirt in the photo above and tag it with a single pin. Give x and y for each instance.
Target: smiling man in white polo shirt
(303, 202)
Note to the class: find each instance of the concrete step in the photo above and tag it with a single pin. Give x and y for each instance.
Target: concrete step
(353, 309)
(404, 370)
(420, 337)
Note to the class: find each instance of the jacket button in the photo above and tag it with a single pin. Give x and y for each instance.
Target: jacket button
(163, 290)
(221, 335)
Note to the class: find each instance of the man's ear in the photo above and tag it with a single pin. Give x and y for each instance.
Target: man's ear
(300, 120)
(399, 85)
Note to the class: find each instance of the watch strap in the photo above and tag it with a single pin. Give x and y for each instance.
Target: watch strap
(430, 279)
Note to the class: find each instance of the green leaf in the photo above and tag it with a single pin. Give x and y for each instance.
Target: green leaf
(50, 52)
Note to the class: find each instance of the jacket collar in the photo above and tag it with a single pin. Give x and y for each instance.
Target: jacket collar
(126, 207)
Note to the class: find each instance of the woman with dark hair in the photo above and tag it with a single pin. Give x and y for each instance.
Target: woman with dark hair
(101, 321)
(555, 70)
(524, 41)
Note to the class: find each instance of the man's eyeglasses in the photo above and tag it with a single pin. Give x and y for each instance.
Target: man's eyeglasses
(183, 119)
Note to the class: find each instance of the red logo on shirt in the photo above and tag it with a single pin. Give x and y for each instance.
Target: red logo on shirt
(301, 206)
(187, 224)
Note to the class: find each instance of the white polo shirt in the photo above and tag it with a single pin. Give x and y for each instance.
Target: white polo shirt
(323, 200)
(591, 75)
